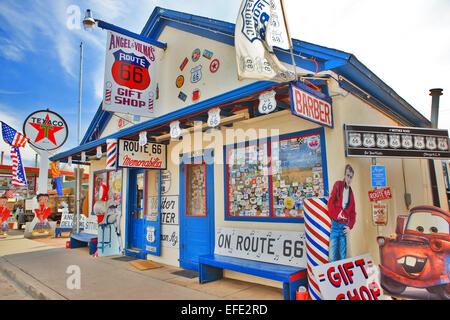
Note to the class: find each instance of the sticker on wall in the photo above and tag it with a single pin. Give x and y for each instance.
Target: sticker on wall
(196, 55)
(196, 95)
(184, 63)
(182, 96)
(207, 54)
(196, 74)
(180, 81)
(214, 66)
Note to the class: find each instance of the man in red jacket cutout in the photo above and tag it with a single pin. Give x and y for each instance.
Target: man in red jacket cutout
(341, 209)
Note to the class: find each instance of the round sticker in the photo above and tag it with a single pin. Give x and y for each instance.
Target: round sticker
(214, 66)
(289, 203)
(180, 81)
(196, 55)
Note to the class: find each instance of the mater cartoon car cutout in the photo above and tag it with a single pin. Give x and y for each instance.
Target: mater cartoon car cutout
(419, 255)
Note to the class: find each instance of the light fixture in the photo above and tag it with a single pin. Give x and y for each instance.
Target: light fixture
(142, 138)
(213, 117)
(175, 130)
(88, 21)
(99, 152)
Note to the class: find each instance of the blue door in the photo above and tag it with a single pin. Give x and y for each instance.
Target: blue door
(135, 229)
(196, 211)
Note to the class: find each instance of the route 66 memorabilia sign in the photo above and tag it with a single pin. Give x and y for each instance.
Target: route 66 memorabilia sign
(130, 74)
(214, 117)
(175, 130)
(196, 74)
(267, 102)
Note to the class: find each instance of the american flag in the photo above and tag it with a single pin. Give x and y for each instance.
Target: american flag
(15, 140)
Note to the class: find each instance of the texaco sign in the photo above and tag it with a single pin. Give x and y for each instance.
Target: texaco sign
(46, 130)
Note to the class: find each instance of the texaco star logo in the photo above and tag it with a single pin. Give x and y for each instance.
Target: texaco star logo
(46, 130)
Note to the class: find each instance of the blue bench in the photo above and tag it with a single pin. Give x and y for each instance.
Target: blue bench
(211, 269)
(59, 230)
(78, 240)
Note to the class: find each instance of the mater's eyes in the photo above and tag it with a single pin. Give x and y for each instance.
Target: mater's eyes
(419, 228)
(433, 230)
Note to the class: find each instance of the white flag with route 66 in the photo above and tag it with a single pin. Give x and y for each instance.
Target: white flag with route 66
(254, 54)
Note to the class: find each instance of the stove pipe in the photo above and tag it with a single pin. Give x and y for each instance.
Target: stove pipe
(435, 94)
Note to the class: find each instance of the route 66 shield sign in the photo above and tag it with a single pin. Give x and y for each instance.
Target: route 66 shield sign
(267, 102)
(130, 70)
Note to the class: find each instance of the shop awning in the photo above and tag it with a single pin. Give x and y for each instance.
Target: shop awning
(158, 128)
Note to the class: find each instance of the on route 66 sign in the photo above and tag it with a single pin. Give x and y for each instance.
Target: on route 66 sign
(46, 130)
(267, 102)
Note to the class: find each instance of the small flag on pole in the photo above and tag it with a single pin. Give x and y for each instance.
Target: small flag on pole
(15, 140)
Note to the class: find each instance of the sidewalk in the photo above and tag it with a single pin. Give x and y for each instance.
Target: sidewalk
(39, 267)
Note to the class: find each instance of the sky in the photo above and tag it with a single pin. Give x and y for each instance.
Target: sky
(406, 43)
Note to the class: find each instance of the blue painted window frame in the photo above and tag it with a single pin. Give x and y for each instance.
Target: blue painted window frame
(268, 140)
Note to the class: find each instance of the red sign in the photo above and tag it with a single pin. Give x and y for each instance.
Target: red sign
(380, 194)
(311, 105)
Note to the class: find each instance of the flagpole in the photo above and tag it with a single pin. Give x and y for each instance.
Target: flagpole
(77, 169)
(290, 40)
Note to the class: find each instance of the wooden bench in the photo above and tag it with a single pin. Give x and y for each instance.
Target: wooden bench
(211, 269)
(78, 240)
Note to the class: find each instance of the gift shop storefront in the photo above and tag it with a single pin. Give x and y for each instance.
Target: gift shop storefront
(226, 167)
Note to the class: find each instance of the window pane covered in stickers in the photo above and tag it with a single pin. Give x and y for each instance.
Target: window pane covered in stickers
(114, 203)
(248, 183)
(196, 189)
(152, 190)
(296, 174)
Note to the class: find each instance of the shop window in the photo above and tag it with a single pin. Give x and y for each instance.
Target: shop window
(268, 180)
(196, 189)
(248, 181)
(107, 192)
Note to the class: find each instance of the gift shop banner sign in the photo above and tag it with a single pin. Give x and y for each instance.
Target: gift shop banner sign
(311, 105)
(398, 142)
(279, 247)
(349, 279)
(130, 75)
(148, 156)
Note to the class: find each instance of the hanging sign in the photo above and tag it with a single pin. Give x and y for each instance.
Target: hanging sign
(380, 194)
(279, 247)
(46, 130)
(267, 102)
(379, 213)
(349, 279)
(398, 142)
(149, 156)
(130, 75)
(311, 105)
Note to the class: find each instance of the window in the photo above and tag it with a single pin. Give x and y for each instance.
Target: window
(196, 189)
(268, 180)
(108, 191)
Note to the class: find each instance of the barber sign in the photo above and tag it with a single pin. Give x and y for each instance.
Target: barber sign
(355, 278)
(311, 105)
(130, 75)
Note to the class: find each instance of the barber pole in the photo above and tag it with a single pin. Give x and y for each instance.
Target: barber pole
(111, 154)
(317, 231)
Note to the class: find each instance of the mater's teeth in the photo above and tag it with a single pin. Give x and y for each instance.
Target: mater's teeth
(401, 260)
(410, 261)
(421, 260)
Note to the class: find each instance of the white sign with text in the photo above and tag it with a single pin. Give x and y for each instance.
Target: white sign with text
(279, 247)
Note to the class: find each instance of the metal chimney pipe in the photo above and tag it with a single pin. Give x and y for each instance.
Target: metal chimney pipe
(435, 94)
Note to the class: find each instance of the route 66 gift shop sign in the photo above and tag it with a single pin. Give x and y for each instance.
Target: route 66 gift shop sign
(130, 75)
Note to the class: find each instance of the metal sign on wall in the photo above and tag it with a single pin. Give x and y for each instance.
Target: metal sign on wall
(399, 142)
(149, 156)
(279, 247)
